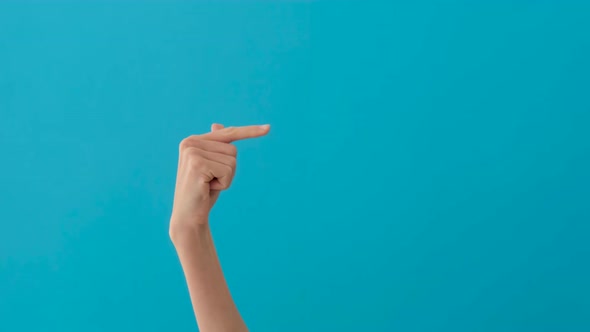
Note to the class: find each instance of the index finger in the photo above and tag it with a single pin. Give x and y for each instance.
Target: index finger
(231, 134)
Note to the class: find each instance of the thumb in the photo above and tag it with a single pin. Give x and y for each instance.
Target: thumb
(216, 126)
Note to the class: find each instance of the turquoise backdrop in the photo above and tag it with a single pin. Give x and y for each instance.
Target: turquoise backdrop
(428, 167)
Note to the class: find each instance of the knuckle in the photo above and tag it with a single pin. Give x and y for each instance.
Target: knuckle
(225, 181)
(196, 162)
(229, 171)
(184, 144)
(187, 142)
(193, 156)
(232, 149)
(190, 151)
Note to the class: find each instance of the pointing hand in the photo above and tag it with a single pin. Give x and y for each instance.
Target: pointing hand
(206, 166)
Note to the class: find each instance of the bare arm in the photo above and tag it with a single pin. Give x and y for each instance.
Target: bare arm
(206, 166)
(212, 303)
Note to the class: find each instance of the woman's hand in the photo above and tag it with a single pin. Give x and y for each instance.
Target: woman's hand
(206, 166)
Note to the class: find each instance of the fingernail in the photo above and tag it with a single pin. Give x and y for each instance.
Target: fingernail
(265, 126)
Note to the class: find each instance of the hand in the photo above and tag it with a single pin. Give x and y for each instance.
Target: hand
(206, 166)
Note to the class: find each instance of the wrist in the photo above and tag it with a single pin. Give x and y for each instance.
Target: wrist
(181, 233)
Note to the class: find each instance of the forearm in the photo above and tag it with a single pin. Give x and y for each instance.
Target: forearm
(212, 302)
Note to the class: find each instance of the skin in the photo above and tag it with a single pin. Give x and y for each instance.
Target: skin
(206, 166)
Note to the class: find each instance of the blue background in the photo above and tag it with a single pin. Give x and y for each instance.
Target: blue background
(427, 169)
